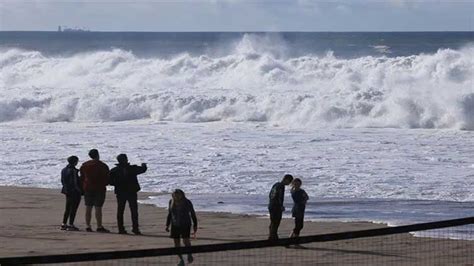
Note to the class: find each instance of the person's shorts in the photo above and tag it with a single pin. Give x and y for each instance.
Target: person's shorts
(96, 199)
(180, 232)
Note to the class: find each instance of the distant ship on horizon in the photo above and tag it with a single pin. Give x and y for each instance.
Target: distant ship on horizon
(75, 29)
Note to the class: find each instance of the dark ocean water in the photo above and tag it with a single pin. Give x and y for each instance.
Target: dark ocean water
(288, 44)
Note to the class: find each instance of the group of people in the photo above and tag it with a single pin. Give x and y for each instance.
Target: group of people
(276, 207)
(91, 179)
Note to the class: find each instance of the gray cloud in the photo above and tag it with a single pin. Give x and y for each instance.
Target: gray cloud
(238, 15)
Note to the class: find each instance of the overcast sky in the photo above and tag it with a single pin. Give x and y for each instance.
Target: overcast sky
(239, 15)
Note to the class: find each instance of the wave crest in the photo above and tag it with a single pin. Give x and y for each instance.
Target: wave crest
(418, 91)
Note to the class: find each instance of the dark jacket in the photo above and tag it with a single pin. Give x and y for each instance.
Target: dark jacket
(70, 180)
(276, 196)
(94, 175)
(124, 178)
(181, 215)
(299, 198)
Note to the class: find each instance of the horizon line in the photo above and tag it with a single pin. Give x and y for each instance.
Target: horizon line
(270, 31)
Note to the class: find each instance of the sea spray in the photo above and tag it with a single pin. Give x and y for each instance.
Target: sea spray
(418, 91)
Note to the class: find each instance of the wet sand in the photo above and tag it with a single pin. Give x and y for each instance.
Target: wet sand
(30, 219)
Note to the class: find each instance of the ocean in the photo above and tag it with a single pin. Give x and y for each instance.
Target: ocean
(379, 126)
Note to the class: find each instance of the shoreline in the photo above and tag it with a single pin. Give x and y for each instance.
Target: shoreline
(30, 220)
(152, 220)
(326, 210)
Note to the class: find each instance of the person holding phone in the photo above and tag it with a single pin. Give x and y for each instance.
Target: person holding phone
(124, 178)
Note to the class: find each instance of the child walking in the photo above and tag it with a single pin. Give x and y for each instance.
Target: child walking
(299, 198)
(180, 214)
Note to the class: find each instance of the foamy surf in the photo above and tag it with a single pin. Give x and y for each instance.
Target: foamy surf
(344, 124)
(418, 91)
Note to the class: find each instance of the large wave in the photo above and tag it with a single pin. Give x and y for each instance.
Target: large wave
(250, 84)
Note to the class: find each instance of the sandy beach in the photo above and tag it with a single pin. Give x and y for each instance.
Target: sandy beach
(30, 219)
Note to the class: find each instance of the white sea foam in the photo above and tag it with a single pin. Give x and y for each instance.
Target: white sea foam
(375, 174)
(293, 105)
(253, 83)
(383, 49)
(246, 159)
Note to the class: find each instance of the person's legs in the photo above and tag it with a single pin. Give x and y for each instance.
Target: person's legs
(187, 243)
(98, 203)
(76, 200)
(67, 211)
(132, 203)
(297, 229)
(88, 216)
(177, 244)
(298, 226)
(293, 231)
(89, 202)
(275, 219)
(121, 201)
(98, 216)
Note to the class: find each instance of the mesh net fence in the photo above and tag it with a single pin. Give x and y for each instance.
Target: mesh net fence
(437, 243)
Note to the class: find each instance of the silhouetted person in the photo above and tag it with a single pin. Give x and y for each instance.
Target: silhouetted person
(275, 205)
(299, 205)
(72, 189)
(180, 214)
(95, 177)
(124, 178)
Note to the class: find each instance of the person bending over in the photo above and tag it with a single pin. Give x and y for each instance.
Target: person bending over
(275, 205)
(124, 178)
(180, 214)
(72, 189)
(95, 177)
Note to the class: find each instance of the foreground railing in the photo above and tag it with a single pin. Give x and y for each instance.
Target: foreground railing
(392, 245)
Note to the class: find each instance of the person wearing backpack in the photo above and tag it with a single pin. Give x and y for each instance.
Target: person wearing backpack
(72, 189)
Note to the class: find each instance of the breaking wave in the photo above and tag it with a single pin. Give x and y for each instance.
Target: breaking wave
(250, 84)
